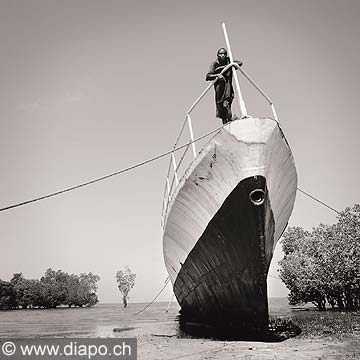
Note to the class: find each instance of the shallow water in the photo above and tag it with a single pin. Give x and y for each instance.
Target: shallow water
(101, 320)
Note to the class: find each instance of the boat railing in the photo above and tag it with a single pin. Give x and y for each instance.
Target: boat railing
(173, 172)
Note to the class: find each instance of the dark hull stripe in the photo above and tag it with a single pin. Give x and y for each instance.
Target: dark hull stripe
(223, 279)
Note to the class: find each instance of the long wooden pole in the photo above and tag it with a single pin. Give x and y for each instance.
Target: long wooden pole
(237, 85)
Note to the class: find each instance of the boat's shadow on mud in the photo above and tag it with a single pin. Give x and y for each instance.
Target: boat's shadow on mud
(278, 330)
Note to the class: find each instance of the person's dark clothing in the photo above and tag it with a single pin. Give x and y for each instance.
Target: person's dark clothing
(223, 89)
(223, 110)
(224, 92)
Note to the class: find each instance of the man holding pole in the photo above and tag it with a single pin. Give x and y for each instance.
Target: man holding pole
(224, 92)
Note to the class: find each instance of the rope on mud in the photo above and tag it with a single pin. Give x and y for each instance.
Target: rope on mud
(216, 349)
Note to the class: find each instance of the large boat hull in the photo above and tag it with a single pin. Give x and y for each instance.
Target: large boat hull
(229, 210)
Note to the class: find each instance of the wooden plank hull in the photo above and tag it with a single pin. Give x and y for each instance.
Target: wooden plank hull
(219, 234)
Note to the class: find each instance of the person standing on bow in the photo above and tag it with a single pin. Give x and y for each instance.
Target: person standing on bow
(224, 92)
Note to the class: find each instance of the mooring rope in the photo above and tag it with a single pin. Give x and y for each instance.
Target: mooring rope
(319, 201)
(150, 303)
(136, 166)
(110, 175)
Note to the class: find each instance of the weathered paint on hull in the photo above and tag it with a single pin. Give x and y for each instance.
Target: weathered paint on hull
(218, 245)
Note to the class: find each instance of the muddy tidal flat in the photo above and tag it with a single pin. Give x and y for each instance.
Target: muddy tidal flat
(324, 335)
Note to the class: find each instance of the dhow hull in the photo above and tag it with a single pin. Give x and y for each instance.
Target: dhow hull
(227, 214)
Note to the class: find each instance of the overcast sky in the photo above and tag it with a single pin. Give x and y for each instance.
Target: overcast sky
(91, 87)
